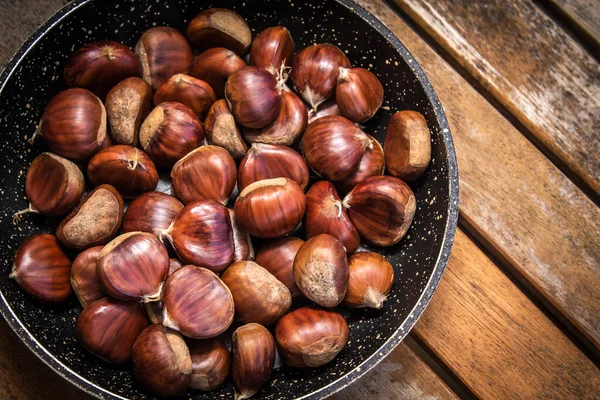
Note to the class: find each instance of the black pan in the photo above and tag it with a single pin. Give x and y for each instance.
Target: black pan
(34, 75)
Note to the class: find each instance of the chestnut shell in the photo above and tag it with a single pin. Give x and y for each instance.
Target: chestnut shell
(214, 66)
(151, 212)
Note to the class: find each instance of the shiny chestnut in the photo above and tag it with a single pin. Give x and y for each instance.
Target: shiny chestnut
(222, 130)
(271, 48)
(278, 258)
(219, 27)
(358, 94)
(214, 66)
(127, 105)
(371, 278)
(371, 164)
(84, 279)
(211, 363)
(192, 92)
(151, 212)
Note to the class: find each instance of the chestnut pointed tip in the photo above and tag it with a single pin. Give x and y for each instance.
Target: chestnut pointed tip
(13, 273)
(241, 395)
(168, 321)
(374, 299)
(343, 74)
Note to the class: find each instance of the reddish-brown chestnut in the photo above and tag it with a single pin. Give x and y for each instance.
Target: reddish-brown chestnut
(174, 265)
(219, 27)
(358, 94)
(325, 213)
(278, 258)
(253, 359)
(42, 268)
(208, 172)
(272, 48)
(197, 303)
(162, 361)
(222, 130)
(169, 132)
(371, 278)
(95, 221)
(126, 168)
(214, 67)
(309, 337)
(258, 296)
(270, 208)
(328, 107)
(84, 279)
(407, 145)
(163, 52)
(315, 72)
(321, 270)
(127, 105)
(242, 243)
(151, 212)
(333, 147)
(372, 163)
(194, 93)
(267, 161)
(108, 328)
(101, 65)
(211, 363)
(381, 209)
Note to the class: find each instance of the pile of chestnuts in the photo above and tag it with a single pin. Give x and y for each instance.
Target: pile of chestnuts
(162, 280)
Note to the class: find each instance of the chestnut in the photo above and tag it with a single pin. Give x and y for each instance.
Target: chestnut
(163, 52)
(407, 145)
(253, 359)
(321, 270)
(328, 107)
(271, 48)
(151, 212)
(84, 279)
(95, 221)
(201, 234)
(333, 147)
(358, 94)
(371, 278)
(270, 208)
(381, 209)
(162, 361)
(197, 303)
(253, 96)
(174, 265)
(267, 161)
(127, 105)
(155, 311)
(286, 127)
(208, 172)
(108, 328)
(242, 243)
(214, 67)
(258, 296)
(278, 258)
(325, 213)
(133, 267)
(42, 268)
(315, 72)
(211, 363)
(372, 163)
(74, 124)
(222, 130)
(310, 337)
(169, 132)
(126, 168)
(99, 66)
(219, 27)
(194, 93)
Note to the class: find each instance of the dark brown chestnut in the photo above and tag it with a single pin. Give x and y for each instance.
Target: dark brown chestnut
(267, 161)
(219, 27)
(214, 67)
(42, 268)
(211, 363)
(197, 303)
(222, 130)
(208, 172)
(321, 270)
(286, 127)
(201, 234)
(270, 208)
(407, 145)
(315, 72)
(84, 279)
(242, 243)
(74, 124)
(162, 361)
(108, 328)
(95, 221)
(333, 147)
(358, 94)
(309, 337)
(192, 92)
(381, 209)
(253, 359)
(371, 278)
(328, 107)
(151, 212)
(169, 132)
(372, 163)
(325, 213)
(99, 66)
(127, 105)
(126, 168)
(163, 52)
(271, 48)
(258, 296)
(278, 258)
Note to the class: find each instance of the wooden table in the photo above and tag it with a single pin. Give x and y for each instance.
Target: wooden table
(517, 314)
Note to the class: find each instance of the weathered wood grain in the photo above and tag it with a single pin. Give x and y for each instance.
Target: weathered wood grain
(585, 14)
(532, 67)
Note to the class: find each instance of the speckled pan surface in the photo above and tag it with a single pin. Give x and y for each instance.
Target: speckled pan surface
(34, 75)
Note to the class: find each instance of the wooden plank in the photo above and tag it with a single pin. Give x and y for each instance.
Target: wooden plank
(496, 340)
(512, 196)
(585, 14)
(532, 67)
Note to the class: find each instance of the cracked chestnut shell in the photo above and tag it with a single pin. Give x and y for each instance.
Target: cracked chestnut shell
(219, 27)
(222, 130)
(371, 164)
(192, 92)
(278, 258)
(214, 67)
(211, 363)
(151, 212)
(358, 93)
(127, 105)
(271, 48)
(84, 279)
(371, 278)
